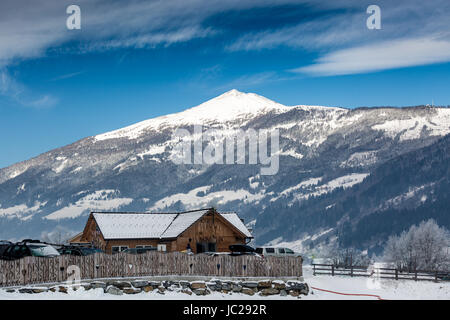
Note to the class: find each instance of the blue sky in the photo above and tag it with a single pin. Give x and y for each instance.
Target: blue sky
(148, 58)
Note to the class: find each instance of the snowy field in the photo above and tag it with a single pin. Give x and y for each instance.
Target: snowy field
(385, 289)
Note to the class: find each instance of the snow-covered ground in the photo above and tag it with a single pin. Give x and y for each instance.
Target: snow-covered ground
(386, 289)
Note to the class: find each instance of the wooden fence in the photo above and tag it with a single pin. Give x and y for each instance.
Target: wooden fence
(381, 273)
(35, 270)
(333, 270)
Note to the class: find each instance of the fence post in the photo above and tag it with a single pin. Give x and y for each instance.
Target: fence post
(415, 274)
(351, 271)
(435, 276)
(314, 269)
(332, 270)
(396, 274)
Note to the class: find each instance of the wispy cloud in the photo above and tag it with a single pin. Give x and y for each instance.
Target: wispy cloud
(380, 56)
(28, 30)
(19, 93)
(335, 29)
(67, 76)
(413, 33)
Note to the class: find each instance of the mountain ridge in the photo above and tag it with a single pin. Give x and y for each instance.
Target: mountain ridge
(322, 149)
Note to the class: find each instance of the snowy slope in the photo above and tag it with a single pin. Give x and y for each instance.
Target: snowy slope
(322, 150)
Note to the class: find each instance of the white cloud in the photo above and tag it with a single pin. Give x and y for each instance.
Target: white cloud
(413, 33)
(380, 56)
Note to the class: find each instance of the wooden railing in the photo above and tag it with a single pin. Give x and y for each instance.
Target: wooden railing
(34, 270)
(382, 273)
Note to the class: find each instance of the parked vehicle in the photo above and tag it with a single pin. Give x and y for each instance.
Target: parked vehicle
(77, 250)
(139, 250)
(28, 248)
(4, 244)
(277, 252)
(241, 248)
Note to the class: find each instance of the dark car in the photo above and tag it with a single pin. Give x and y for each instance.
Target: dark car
(241, 248)
(4, 244)
(27, 248)
(78, 251)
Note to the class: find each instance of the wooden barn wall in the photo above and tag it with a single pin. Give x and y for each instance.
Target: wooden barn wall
(210, 228)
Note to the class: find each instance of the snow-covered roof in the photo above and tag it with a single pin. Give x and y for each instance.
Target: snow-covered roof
(116, 225)
(234, 219)
(133, 225)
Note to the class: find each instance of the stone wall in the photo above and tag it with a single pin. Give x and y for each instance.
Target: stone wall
(264, 287)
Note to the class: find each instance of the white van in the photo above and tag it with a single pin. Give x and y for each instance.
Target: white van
(277, 251)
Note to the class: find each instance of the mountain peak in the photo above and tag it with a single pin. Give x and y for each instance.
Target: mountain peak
(232, 92)
(230, 106)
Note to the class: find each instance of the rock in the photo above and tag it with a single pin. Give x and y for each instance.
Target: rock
(154, 284)
(247, 291)
(39, 290)
(161, 289)
(301, 287)
(121, 284)
(187, 291)
(283, 293)
(201, 291)
(264, 284)
(114, 290)
(87, 286)
(249, 284)
(213, 286)
(131, 290)
(62, 289)
(198, 285)
(98, 284)
(236, 287)
(278, 284)
(294, 293)
(226, 286)
(269, 291)
(184, 284)
(10, 290)
(147, 288)
(26, 290)
(139, 283)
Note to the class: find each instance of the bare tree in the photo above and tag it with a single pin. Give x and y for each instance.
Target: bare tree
(421, 247)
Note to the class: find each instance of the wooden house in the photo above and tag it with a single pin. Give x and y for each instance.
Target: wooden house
(198, 230)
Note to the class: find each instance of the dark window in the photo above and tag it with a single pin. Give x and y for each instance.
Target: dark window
(280, 250)
(115, 249)
(201, 247)
(289, 251)
(259, 250)
(270, 250)
(212, 247)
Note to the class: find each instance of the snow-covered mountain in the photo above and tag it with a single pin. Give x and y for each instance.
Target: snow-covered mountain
(323, 151)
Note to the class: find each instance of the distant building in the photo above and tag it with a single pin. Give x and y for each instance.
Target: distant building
(199, 230)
